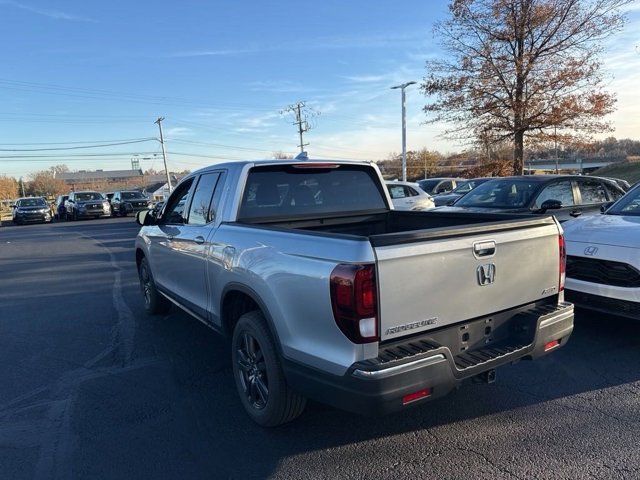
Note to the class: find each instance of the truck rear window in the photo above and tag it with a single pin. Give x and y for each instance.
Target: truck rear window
(282, 191)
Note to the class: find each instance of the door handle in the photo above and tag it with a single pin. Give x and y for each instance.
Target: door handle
(576, 213)
(484, 249)
(199, 239)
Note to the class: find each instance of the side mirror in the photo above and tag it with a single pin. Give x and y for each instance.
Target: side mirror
(550, 205)
(450, 203)
(145, 218)
(13, 205)
(605, 206)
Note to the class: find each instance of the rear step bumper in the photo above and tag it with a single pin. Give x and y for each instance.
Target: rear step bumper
(437, 363)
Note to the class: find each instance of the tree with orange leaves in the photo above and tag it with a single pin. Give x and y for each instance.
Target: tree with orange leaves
(522, 70)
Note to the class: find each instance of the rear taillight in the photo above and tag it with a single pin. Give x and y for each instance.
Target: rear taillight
(354, 301)
(563, 262)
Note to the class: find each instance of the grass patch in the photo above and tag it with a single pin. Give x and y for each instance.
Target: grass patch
(628, 170)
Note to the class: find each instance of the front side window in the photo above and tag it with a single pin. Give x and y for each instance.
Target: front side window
(201, 212)
(592, 192)
(562, 191)
(175, 213)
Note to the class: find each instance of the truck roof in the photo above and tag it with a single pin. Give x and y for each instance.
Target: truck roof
(288, 161)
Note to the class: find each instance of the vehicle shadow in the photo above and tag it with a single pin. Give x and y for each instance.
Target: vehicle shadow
(195, 427)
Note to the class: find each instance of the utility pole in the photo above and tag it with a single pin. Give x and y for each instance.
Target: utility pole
(164, 153)
(301, 114)
(22, 185)
(404, 128)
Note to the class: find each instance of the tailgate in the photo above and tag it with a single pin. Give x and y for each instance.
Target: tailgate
(437, 282)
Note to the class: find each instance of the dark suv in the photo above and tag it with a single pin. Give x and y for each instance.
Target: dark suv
(31, 210)
(128, 201)
(86, 205)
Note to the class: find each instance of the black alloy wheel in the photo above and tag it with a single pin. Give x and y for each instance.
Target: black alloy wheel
(253, 371)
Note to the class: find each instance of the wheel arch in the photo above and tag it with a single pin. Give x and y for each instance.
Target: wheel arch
(238, 299)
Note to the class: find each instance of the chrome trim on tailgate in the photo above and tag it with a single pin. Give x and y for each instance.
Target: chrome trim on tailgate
(405, 367)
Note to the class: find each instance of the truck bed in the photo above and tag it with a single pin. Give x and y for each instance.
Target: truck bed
(397, 227)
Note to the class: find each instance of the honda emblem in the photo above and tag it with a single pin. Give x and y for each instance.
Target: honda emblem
(486, 274)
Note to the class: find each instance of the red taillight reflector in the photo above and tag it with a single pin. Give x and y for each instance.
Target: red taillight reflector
(412, 397)
(562, 246)
(551, 345)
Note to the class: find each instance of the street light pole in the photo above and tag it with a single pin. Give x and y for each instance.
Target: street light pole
(404, 128)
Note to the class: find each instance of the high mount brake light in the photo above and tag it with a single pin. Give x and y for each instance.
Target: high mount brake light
(354, 301)
(315, 165)
(562, 246)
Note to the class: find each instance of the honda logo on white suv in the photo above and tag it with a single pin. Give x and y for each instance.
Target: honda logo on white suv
(486, 274)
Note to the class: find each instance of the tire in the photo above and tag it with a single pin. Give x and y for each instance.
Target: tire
(154, 302)
(258, 374)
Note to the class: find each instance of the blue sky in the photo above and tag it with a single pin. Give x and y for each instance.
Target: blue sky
(220, 71)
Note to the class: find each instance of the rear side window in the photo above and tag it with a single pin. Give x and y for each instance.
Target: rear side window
(592, 192)
(201, 211)
(282, 191)
(397, 191)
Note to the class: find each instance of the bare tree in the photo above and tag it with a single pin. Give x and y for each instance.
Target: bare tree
(8, 188)
(46, 183)
(519, 68)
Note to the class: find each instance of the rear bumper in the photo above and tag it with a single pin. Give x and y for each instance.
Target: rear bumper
(378, 386)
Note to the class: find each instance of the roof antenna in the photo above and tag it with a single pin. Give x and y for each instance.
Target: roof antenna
(302, 156)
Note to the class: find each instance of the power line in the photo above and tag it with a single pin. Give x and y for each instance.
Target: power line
(76, 147)
(77, 142)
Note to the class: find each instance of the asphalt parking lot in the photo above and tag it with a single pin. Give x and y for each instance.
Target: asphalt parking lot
(91, 387)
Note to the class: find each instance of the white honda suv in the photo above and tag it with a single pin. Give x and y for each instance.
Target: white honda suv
(603, 259)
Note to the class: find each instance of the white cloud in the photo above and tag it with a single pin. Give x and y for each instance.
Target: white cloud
(54, 14)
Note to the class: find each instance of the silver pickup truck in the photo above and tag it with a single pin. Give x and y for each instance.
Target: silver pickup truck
(328, 293)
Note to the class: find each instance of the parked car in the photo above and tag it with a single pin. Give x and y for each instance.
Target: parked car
(31, 210)
(436, 186)
(409, 196)
(565, 196)
(603, 263)
(312, 274)
(124, 202)
(462, 189)
(86, 204)
(60, 208)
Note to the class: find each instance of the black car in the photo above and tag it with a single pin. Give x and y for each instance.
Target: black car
(124, 202)
(31, 210)
(436, 186)
(464, 187)
(86, 205)
(565, 196)
(59, 207)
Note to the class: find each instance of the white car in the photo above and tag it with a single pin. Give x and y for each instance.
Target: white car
(603, 262)
(409, 196)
